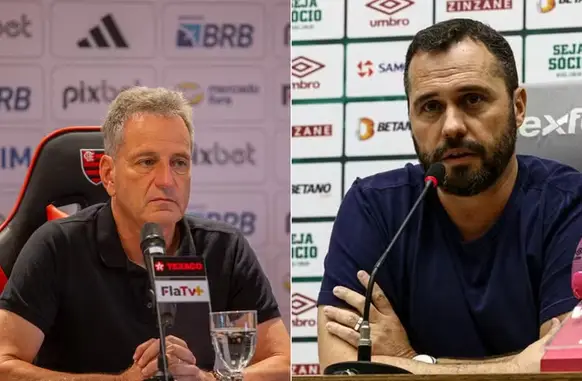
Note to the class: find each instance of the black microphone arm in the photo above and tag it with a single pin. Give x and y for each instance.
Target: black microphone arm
(364, 365)
(153, 243)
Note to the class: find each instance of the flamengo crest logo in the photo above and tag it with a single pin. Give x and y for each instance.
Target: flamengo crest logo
(90, 164)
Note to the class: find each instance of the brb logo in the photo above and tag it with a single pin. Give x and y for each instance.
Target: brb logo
(245, 221)
(15, 98)
(389, 7)
(302, 67)
(194, 32)
(301, 304)
(85, 93)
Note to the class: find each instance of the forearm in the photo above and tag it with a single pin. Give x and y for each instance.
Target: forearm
(417, 367)
(475, 361)
(18, 370)
(274, 368)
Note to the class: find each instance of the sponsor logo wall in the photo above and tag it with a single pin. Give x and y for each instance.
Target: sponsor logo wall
(350, 118)
(230, 59)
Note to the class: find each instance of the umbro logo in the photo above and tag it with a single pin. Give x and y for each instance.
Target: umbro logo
(104, 35)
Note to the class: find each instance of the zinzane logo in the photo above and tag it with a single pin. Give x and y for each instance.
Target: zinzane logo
(301, 304)
(532, 125)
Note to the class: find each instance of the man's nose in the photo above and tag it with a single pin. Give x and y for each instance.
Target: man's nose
(164, 175)
(454, 125)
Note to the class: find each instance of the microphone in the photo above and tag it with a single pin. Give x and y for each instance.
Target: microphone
(152, 243)
(434, 176)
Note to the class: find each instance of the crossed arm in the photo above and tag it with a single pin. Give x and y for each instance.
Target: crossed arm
(337, 340)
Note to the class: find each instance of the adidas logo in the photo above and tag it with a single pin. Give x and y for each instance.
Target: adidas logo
(97, 34)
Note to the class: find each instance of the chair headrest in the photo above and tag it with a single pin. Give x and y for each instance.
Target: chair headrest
(553, 126)
(64, 170)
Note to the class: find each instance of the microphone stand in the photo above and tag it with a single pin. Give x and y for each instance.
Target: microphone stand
(364, 364)
(162, 374)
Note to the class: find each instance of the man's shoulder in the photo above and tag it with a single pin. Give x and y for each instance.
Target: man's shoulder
(210, 227)
(394, 179)
(74, 223)
(385, 187)
(551, 176)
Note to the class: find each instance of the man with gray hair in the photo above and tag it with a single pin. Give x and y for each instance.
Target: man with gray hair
(76, 305)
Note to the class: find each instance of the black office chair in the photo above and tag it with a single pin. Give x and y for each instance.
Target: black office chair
(64, 170)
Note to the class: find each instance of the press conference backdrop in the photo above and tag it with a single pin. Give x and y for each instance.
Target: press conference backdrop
(62, 62)
(349, 117)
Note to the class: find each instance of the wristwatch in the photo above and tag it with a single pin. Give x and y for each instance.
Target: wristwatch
(425, 358)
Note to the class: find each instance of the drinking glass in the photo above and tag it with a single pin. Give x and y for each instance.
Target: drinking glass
(234, 337)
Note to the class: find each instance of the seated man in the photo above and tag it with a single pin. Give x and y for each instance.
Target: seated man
(76, 305)
(484, 264)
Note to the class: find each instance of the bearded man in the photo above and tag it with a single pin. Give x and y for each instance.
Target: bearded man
(480, 277)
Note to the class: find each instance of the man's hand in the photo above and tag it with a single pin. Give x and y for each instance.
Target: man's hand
(387, 333)
(528, 361)
(181, 361)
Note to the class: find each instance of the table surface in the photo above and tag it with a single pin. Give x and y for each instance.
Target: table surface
(444, 377)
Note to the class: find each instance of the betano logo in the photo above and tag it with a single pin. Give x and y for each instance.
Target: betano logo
(532, 125)
(478, 5)
(312, 130)
(98, 34)
(301, 304)
(545, 6)
(192, 91)
(367, 127)
(302, 67)
(389, 7)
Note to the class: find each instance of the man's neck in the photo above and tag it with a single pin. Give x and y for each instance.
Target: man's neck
(475, 215)
(129, 235)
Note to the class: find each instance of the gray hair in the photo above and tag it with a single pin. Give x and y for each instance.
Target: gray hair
(142, 100)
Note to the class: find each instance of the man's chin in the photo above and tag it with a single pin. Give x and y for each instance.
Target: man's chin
(163, 216)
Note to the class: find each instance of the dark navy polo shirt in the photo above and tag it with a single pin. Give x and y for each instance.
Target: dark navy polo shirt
(462, 299)
(73, 280)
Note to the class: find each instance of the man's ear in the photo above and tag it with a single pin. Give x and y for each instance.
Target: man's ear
(107, 174)
(519, 105)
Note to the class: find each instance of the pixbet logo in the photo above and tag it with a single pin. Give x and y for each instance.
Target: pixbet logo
(15, 98)
(16, 28)
(85, 93)
(217, 155)
(301, 304)
(532, 125)
(302, 67)
(389, 7)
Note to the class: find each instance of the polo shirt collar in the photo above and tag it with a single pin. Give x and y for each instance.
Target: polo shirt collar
(109, 244)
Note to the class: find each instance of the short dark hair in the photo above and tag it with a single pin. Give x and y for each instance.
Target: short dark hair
(439, 38)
